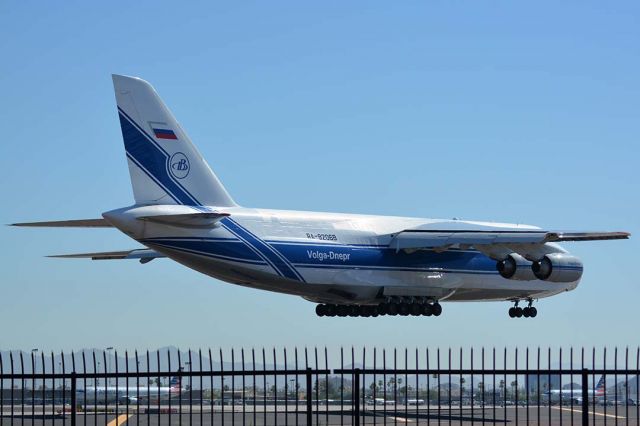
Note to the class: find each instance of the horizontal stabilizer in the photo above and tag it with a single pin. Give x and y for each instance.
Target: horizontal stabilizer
(187, 220)
(145, 255)
(77, 223)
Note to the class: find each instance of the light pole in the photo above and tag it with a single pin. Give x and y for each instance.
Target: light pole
(33, 365)
(110, 350)
(98, 380)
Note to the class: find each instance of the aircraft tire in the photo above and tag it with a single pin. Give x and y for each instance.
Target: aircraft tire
(404, 309)
(382, 309)
(427, 310)
(416, 309)
(354, 310)
(526, 312)
(512, 312)
(437, 309)
(533, 312)
(392, 309)
(342, 310)
(518, 312)
(330, 310)
(321, 310)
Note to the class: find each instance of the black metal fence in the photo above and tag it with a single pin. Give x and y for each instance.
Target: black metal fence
(311, 386)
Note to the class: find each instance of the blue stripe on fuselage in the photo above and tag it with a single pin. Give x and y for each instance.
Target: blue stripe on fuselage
(358, 257)
(370, 258)
(280, 263)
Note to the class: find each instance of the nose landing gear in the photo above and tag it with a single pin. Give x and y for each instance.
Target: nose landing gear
(528, 312)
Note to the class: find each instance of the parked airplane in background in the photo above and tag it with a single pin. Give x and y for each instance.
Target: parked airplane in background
(351, 265)
(130, 394)
(576, 394)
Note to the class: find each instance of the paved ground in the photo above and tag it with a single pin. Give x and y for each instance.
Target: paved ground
(333, 416)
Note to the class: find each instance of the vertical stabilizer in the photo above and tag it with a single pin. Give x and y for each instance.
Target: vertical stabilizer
(165, 167)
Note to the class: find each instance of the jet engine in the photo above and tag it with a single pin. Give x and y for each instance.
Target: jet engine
(515, 267)
(558, 267)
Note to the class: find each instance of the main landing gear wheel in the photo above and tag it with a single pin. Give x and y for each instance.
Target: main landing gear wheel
(417, 307)
(427, 310)
(436, 309)
(392, 309)
(404, 309)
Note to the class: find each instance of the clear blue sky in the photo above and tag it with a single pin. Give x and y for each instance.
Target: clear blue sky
(494, 110)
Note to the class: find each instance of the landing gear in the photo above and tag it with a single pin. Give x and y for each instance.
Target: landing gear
(517, 312)
(393, 306)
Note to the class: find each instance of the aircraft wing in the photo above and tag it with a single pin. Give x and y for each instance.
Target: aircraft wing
(442, 239)
(77, 223)
(144, 255)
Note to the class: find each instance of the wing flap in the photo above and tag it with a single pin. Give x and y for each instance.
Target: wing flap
(144, 255)
(76, 223)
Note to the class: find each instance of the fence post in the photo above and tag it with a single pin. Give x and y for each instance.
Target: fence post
(356, 396)
(585, 397)
(309, 396)
(73, 398)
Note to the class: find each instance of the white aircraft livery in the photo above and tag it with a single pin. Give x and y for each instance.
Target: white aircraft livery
(351, 265)
(131, 394)
(576, 394)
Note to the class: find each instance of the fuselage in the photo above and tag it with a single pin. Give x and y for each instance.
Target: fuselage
(97, 393)
(330, 257)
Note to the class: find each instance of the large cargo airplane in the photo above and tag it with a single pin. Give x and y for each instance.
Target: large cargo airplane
(351, 265)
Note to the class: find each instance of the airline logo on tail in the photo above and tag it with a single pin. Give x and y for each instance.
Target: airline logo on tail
(179, 165)
(175, 385)
(600, 386)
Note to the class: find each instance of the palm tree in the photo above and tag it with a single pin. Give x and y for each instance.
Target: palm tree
(462, 382)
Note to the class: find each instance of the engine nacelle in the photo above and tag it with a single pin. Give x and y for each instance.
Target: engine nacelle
(515, 267)
(558, 267)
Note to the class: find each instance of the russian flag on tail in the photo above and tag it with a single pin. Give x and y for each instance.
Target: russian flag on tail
(162, 131)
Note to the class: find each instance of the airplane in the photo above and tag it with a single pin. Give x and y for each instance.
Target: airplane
(349, 264)
(131, 394)
(576, 394)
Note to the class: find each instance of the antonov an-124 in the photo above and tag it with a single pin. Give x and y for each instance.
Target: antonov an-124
(350, 265)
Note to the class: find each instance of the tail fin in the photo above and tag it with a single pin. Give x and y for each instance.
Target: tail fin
(165, 167)
(175, 384)
(600, 386)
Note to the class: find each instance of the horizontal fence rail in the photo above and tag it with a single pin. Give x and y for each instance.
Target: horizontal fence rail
(314, 386)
